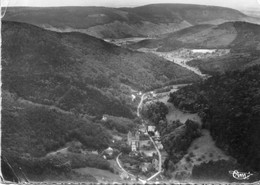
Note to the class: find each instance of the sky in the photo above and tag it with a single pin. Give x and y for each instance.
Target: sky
(237, 4)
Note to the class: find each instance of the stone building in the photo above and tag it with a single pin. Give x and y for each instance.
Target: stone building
(133, 140)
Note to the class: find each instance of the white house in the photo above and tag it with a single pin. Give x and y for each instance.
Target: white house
(133, 97)
(124, 175)
(94, 152)
(109, 151)
(151, 128)
(157, 134)
(104, 118)
(159, 145)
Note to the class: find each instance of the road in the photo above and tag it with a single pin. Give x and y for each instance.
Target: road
(143, 97)
(160, 160)
(140, 105)
(131, 175)
(120, 166)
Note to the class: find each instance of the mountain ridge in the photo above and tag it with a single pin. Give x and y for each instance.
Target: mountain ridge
(223, 36)
(103, 22)
(78, 72)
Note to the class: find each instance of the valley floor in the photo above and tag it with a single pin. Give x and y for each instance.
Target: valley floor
(181, 56)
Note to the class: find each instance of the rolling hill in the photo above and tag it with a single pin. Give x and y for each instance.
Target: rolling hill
(30, 132)
(79, 73)
(56, 87)
(244, 51)
(102, 22)
(242, 39)
(228, 35)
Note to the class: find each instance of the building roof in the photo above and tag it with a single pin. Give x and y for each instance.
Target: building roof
(109, 149)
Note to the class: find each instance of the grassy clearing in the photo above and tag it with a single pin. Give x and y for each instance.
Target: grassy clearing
(202, 150)
(100, 175)
(176, 114)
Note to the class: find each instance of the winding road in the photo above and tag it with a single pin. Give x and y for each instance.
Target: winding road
(180, 61)
(155, 146)
(143, 97)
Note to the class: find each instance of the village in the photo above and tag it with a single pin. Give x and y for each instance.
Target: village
(141, 160)
(133, 155)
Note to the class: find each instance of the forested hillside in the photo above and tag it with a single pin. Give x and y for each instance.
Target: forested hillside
(103, 22)
(244, 51)
(242, 39)
(30, 132)
(79, 82)
(230, 107)
(56, 88)
(79, 73)
(237, 36)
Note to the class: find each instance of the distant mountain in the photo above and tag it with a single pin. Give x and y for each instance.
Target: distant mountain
(241, 38)
(252, 12)
(194, 14)
(102, 22)
(245, 50)
(228, 35)
(79, 73)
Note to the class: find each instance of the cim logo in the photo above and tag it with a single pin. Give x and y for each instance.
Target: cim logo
(240, 175)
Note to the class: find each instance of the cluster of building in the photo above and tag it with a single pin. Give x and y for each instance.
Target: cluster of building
(134, 141)
(150, 166)
(145, 166)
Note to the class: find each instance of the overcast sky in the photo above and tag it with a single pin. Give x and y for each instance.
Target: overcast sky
(238, 4)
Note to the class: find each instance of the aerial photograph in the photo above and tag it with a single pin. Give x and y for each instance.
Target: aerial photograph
(130, 92)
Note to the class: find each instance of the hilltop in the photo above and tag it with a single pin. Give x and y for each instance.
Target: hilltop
(102, 22)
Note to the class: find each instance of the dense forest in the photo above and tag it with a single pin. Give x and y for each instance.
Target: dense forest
(120, 124)
(229, 105)
(56, 88)
(80, 73)
(29, 133)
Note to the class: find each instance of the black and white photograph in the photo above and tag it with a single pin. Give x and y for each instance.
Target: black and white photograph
(130, 92)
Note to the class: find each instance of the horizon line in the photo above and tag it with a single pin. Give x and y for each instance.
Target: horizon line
(129, 6)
